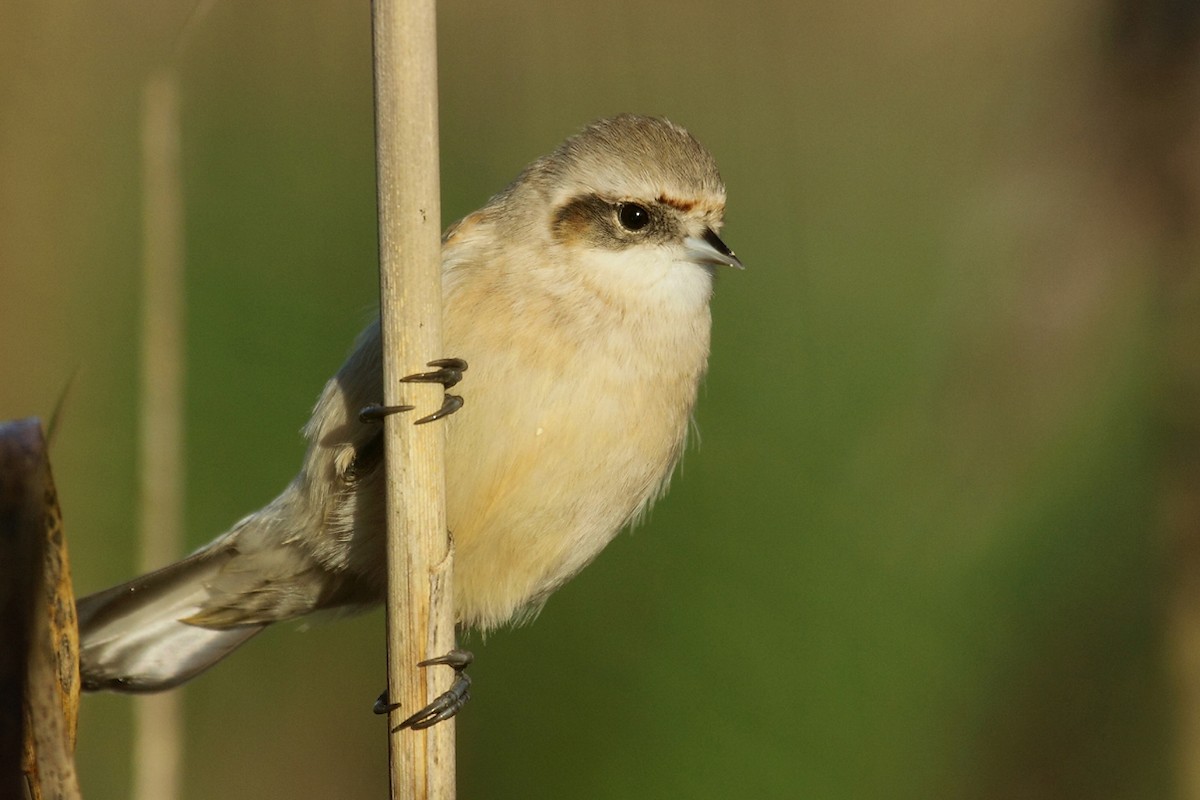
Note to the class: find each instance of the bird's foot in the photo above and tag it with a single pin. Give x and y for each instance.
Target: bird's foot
(446, 704)
(449, 372)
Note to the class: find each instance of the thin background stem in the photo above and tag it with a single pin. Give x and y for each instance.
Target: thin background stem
(157, 747)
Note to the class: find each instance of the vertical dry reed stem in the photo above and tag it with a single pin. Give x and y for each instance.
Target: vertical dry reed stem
(419, 615)
(157, 749)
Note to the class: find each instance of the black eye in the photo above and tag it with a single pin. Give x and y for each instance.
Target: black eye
(632, 216)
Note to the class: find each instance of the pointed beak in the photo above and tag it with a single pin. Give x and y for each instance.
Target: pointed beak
(709, 251)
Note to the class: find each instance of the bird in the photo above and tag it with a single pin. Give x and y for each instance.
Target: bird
(580, 297)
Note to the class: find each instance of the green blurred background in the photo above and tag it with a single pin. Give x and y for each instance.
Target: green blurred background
(938, 538)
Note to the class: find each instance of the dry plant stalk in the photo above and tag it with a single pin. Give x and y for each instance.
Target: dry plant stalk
(37, 617)
(158, 728)
(419, 603)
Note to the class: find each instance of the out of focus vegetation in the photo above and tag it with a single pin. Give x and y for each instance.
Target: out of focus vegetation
(939, 537)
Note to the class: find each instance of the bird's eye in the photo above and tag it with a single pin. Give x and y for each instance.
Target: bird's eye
(632, 216)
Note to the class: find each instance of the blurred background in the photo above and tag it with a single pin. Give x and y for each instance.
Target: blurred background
(941, 536)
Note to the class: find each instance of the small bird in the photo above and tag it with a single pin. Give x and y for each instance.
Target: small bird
(579, 295)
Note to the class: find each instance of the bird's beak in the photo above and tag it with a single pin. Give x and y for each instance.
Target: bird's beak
(709, 251)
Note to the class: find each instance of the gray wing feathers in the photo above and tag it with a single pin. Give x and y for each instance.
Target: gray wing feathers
(318, 545)
(133, 637)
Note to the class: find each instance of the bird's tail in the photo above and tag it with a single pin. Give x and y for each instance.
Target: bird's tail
(136, 637)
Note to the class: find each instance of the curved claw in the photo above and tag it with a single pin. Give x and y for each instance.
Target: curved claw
(382, 706)
(376, 413)
(451, 403)
(458, 658)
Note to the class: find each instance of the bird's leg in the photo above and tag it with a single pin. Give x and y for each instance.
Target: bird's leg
(446, 704)
(449, 372)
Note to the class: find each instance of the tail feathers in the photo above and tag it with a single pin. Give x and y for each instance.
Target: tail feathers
(134, 638)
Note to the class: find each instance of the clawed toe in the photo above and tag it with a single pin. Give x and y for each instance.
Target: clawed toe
(451, 403)
(449, 373)
(376, 413)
